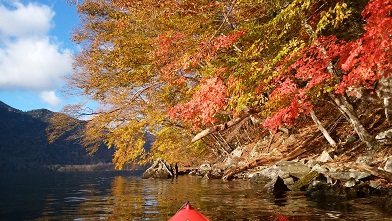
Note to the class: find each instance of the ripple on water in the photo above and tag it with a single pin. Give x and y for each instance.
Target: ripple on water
(73, 199)
(93, 197)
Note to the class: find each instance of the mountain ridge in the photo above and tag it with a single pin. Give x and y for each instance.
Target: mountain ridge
(24, 145)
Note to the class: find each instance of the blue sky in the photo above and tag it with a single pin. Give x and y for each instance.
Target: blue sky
(36, 52)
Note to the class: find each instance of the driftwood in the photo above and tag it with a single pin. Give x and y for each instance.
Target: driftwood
(245, 115)
(220, 127)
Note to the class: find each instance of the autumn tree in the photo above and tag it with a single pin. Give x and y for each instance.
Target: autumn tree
(174, 68)
(254, 67)
(359, 63)
(138, 60)
(292, 65)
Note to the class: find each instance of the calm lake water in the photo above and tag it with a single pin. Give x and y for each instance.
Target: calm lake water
(125, 196)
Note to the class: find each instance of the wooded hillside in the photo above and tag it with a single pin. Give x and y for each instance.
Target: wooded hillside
(25, 147)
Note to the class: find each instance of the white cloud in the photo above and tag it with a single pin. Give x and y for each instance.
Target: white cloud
(20, 20)
(50, 98)
(31, 64)
(31, 59)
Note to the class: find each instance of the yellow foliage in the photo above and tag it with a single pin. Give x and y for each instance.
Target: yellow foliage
(334, 16)
(141, 58)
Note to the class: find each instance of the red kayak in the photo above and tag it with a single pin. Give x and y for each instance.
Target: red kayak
(188, 213)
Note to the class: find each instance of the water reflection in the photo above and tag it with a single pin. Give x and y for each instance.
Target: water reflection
(113, 196)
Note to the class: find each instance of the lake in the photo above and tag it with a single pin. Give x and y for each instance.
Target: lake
(125, 196)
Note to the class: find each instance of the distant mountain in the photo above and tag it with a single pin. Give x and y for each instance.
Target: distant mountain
(24, 145)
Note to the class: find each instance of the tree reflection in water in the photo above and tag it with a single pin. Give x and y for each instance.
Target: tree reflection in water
(138, 199)
(110, 196)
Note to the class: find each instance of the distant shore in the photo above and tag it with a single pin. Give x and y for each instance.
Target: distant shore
(91, 167)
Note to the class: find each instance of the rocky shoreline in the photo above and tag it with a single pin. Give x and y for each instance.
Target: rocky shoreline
(319, 179)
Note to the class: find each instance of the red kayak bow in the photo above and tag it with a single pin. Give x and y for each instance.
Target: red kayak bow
(187, 213)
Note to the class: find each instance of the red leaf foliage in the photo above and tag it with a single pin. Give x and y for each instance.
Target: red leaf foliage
(362, 63)
(205, 104)
(225, 41)
(368, 59)
(296, 101)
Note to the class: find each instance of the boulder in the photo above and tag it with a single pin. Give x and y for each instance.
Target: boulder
(277, 186)
(160, 170)
(348, 175)
(304, 182)
(204, 169)
(288, 171)
(257, 178)
(265, 175)
(320, 188)
(207, 171)
(292, 168)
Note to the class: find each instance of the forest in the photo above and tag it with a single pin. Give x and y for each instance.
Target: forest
(205, 77)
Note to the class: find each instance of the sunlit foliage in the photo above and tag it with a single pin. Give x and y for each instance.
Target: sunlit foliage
(204, 62)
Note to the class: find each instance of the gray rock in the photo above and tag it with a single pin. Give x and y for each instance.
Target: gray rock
(258, 178)
(320, 169)
(350, 183)
(324, 157)
(237, 153)
(311, 162)
(388, 165)
(208, 172)
(321, 188)
(204, 169)
(265, 175)
(286, 170)
(375, 185)
(384, 136)
(214, 174)
(363, 160)
(289, 181)
(291, 168)
(160, 169)
(271, 172)
(347, 175)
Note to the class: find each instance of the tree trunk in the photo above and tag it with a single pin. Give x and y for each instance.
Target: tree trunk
(343, 105)
(323, 130)
(385, 92)
(346, 108)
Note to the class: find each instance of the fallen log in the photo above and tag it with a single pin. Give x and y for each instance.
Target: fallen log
(219, 127)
